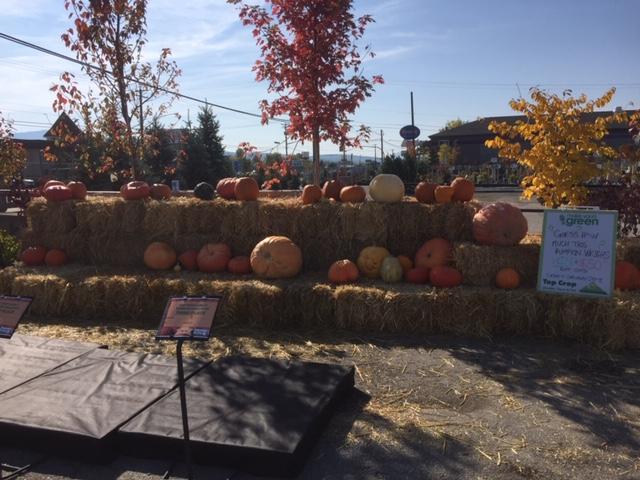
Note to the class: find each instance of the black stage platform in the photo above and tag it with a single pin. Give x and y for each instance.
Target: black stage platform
(24, 358)
(258, 415)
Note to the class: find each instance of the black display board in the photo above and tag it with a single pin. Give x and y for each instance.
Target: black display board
(12, 309)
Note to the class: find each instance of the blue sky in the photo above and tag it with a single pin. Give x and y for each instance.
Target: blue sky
(462, 59)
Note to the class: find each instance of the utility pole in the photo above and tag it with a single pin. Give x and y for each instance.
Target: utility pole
(141, 131)
(286, 142)
(381, 146)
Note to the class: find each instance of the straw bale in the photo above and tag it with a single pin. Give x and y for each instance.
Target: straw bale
(51, 218)
(93, 215)
(628, 249)
(320, 233)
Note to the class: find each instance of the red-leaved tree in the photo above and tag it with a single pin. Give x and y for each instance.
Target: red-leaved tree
(311, 60)
(13, 156)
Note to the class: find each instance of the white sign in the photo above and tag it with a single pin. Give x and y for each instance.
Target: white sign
(578, 252)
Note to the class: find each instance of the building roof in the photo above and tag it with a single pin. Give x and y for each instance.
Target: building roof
(69, 124)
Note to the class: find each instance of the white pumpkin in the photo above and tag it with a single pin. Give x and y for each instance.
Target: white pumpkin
(386, 188)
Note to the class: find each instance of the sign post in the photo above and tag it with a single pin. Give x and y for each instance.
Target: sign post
(187, 318)
(578, 252)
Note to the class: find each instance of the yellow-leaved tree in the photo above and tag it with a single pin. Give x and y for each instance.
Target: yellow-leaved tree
(558, 144)
(13, 157)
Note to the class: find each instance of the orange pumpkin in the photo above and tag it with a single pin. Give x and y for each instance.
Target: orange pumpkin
(189, 260)
(226, 188)
(78, 190)
(406, 263)
(331, 189)
(276, 257)
(434, 253)
(445, 277)
(418, 275)
(627, 276)
(463, 189)
(353, 194)
(33, 256)
(343, 271)
(55, 258)
(159, 256)
(425, 192)
(443, 194)
(499, 224)
(507, 278)
(160, 191)
(135, 191)
(240, 265)
(311, 194)
(246, 189)
(213, 257)
(370, 260)
(57, 193)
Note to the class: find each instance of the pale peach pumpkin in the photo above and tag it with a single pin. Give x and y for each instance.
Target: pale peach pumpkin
(276, 257)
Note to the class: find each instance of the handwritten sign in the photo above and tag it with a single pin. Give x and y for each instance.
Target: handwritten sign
(12, 309)
(578, 252)
(188, 318)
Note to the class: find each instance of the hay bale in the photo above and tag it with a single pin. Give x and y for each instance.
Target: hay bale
(48, 219)
(628, 249)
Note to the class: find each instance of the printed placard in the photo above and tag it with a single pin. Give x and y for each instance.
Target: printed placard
(578, 252)
(188, 318)
(12, 309)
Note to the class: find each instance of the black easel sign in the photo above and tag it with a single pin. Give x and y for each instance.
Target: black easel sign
(12, 309)
(188, 318)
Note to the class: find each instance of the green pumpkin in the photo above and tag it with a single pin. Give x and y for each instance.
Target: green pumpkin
(203, 191)
(391, 270)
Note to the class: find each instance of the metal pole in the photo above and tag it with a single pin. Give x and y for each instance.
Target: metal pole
(286, 143)
(183, 407)
(381, 146)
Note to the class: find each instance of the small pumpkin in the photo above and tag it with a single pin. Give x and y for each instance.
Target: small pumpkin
(499, 224)
(370, 260)
(189, 260)
(434, 253)
(463, 189)
(55, 258)
(507, 278)
(343, 271)
(443, 194)
(57, 193)
(353, 194)
(331, 189)
(33, 256)
(160, 191)
(213, 257)
(226, 188)
(418, 275)
(386, 188)
(276, 257)
(445, 277)
(159, 256)
(627, 276)
(203, 191)
(135, 190)
(425, 192)
(240, 265)
(246, 189)
(78, 190)
(311, 194)
(406, 262)
(391, 270)
(49, 183)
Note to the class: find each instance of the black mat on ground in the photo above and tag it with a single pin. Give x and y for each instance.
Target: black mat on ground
(258, 415)
(75, 409)
(23, 358)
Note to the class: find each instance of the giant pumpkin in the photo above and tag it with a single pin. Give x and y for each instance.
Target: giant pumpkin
(370, 260)
(386, 188)
(435, 252)
(159, 256)
(499, 224)
(276, 257)
(213, 257)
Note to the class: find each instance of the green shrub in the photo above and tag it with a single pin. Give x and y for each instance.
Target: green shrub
(9, 248)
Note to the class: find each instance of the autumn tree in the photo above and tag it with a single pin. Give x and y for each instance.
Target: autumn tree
(556, 143)
(110, 36)
(313, 66)
(13, 157)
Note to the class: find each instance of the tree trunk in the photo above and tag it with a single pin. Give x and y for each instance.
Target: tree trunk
(316, 156)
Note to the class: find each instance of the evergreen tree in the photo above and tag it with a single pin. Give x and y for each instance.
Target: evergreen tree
(161, 155)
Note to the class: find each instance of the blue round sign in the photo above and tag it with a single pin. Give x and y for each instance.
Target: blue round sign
(409, 132)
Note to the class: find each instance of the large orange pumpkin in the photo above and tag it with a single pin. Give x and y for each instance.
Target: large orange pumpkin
(240, 265)
(159, 256)
(311, 194)
(189, 260)
(434, 253)
(445, 277)
(214, 257)
(57, 193)
(370, 260)
(226, 188)
(78, 190)
(331, 189)
(353, 194)
(55, 258)
(276, 257)
(135, 190)
(246, 189)
(443, 194)
(507, 278)
(499, 224)
(425, 192)
(160, 191)
(463, 189)
(418, 275)
(343, 271)
(627, 276)
(33, 256)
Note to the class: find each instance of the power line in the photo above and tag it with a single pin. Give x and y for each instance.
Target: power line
(33, 46)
